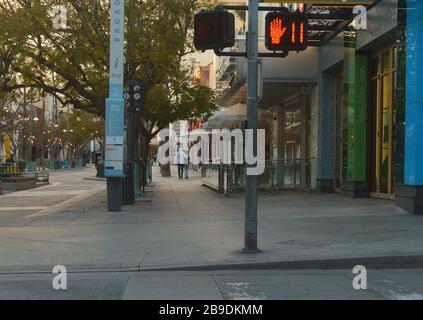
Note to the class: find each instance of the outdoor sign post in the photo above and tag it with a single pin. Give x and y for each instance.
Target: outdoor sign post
(115, 109)
(250, 245)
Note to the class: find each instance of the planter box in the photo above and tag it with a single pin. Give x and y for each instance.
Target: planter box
(18, 183)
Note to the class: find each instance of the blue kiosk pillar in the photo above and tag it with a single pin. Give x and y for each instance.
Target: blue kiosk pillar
(409, 196)
(115, 109)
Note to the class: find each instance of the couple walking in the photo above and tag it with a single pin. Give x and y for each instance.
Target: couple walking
(182, 161)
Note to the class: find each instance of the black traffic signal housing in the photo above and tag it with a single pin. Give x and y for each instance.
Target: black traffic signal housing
(134, 95)
(286, 31)
(214, 30)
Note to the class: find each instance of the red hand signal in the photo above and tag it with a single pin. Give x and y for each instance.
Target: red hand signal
(276, 31)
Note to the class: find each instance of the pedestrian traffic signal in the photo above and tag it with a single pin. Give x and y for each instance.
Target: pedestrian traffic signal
(214, 30)
(286, 31)
(134, 95)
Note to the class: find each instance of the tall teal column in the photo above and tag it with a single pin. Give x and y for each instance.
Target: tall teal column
(410, 195)
(115, 109)
(325, 159)
(357, 118)
(355, 75)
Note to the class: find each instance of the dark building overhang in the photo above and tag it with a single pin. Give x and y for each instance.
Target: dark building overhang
(327, 20)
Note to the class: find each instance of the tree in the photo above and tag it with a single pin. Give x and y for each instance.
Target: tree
(75, 131)
(13, 116)
(73, 65)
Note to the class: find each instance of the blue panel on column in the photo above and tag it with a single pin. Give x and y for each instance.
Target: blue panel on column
(414, 95)
(326, 126)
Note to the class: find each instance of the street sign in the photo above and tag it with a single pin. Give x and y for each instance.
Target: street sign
(114, 151)
(286, 31)
(115, 105)
(214, 30)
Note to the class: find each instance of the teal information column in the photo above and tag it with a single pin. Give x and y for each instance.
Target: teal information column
(115, 108)
(410, 195)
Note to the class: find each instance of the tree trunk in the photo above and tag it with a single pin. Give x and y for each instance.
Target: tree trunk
(165, 169)
(145, 160)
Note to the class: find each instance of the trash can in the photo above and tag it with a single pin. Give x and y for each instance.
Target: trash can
(22, 165)
(51, 165)
(100, 170)
(32, 167)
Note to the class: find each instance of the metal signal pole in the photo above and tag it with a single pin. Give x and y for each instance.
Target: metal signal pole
(252, 180)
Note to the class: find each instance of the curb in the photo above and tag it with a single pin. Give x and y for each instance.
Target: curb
(371, 263)
(70, 269)
(375, 263)
(96, 179)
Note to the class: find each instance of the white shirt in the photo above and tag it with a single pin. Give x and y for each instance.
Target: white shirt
(180, 157)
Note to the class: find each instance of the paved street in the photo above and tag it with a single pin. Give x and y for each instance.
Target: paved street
(323, 96)
(180, 225)
(66, 188)
(219, 285)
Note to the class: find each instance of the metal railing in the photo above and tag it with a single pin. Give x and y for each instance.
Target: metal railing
(8, 171)
(9, 168)
(290, 174)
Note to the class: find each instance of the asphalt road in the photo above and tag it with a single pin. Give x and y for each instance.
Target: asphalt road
(232, 285)
(180, 225)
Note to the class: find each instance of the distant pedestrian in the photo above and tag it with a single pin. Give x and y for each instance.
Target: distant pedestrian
(180, 159)
(186, 169)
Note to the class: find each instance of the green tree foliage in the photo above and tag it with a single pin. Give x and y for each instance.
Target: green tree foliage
(76, 130)
(72, 63)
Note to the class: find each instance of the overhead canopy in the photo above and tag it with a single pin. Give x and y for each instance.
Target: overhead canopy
(234, 117)
(327, 18)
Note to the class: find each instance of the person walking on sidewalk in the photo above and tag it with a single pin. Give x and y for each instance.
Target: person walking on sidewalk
(180, 160)
(186, 168)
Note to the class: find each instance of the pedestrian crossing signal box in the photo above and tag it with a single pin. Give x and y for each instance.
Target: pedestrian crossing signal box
(214, 30)
(286, 31)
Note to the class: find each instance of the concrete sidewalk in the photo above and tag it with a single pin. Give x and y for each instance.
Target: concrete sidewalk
(218, 285)
(182, 224)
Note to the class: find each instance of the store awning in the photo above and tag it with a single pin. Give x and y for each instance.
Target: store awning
(328, 18)
(234, 117)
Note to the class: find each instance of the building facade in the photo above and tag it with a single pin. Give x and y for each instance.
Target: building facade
(349, 108)
(369, 108)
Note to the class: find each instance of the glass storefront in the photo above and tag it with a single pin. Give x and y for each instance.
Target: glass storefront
(339, 124)
(296, 138)
(383, 84)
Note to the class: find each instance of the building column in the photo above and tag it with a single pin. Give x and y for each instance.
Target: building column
(325, 156)
(409, 195)
(356, 184)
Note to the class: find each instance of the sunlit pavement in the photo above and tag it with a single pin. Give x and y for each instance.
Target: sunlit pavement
(180, 225)
(65, 186)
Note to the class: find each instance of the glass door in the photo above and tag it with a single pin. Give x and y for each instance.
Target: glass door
(338, 136)
(383, 107)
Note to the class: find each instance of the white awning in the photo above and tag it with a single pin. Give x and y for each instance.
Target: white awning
(234, 117)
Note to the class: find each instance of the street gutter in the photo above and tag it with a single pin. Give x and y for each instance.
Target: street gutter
(371, 263)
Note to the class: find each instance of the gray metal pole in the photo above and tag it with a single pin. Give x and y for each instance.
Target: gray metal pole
(129, 197)
(252, 181)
